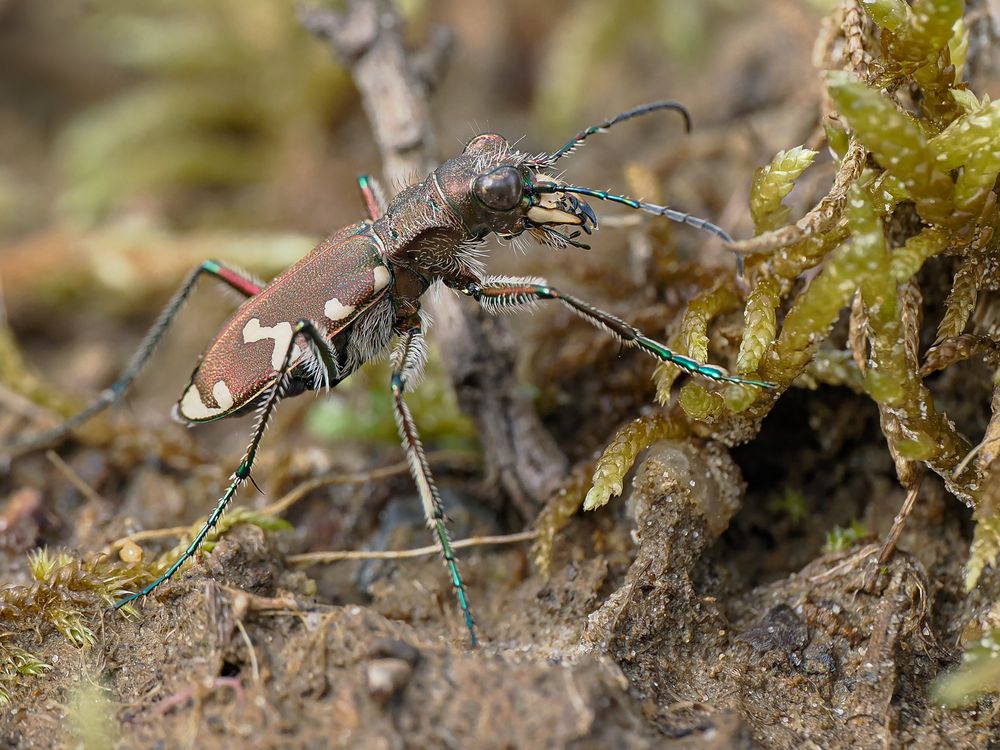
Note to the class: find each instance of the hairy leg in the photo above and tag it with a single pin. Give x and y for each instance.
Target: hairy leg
(315, 341)
(408, 358)
(500, 294)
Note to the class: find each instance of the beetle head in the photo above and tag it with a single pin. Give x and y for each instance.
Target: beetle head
(495, 189)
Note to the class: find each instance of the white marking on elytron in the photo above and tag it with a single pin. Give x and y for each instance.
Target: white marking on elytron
(193, 407)
(382, 278)
(222, 394)
(336, 310)
(281, 333)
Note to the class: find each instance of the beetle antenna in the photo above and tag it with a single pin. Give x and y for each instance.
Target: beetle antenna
(579, 138)
(670, 213)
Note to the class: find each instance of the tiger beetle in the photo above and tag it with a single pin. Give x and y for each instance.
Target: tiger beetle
(341, 305)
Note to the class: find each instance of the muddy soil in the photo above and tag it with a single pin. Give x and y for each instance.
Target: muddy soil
(645, 635)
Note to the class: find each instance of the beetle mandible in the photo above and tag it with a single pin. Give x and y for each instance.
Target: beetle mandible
(347, 299)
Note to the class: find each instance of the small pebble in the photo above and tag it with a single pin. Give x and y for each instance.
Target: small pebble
(130, 552)
(386, 677)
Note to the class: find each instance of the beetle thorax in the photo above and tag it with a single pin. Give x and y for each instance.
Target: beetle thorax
(421, 231)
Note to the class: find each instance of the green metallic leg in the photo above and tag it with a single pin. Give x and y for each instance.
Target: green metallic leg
(408, 359)
(502, 294)
(113, 393)
(242, 474)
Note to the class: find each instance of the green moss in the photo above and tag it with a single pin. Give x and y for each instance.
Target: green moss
(908, 136)
(739, 398)
(760, 323)
(693, 339)
(560, 508)
(887, 373)
(909, 258)
(842, 538)
(15, 664)
(695, 399)
(978, 674)
(772, 183)
(791, 504)
(890, 15)
(619, 457)
(813, 314)
(700, 403)
(929, 27)
(68, 596)
(961, 299)
(896, 141)
(201, 68)
(832, 367)
(235, 517)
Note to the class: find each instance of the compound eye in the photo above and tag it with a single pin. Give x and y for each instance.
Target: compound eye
(500, 189)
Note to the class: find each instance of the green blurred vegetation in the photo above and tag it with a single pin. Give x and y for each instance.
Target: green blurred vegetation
(360, 410)
(842, 538)
(219, 94)
(678, 29)
(978, 674)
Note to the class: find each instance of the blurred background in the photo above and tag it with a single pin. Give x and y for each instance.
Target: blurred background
(139, 139)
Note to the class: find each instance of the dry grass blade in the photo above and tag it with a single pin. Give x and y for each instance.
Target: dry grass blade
(318, 558)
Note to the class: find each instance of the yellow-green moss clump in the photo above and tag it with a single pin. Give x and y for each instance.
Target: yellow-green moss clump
(69, 596)
(621, 453)
(917, 156)
(979, 673)
(772, 183)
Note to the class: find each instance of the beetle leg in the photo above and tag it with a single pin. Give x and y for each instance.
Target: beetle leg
(409, 356)
(503, 294)
(242, 474)
(372, 195)
(238, 281)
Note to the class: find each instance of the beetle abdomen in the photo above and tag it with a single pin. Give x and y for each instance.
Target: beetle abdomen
(331, 286)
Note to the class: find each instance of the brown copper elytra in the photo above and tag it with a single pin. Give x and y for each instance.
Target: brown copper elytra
(344, 302)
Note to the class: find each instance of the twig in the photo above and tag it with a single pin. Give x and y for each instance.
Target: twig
(383, 472)
(315, 558)
(22, 405)
(479, 352)
(254, 668)
(268, 604)
(67, 471)
(845, 564)
(302, 490)
(141, 536)
(892, 538)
